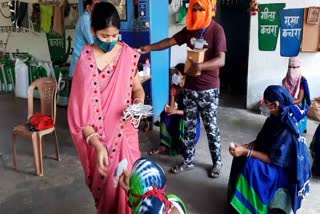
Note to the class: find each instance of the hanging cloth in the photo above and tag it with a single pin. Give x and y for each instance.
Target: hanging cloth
(58, 19)
(182, 13)
(53, 2)
(19, 13)
(46, 12)
(35, 17)
(175, 5)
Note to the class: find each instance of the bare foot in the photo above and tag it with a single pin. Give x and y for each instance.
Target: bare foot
(158, 150)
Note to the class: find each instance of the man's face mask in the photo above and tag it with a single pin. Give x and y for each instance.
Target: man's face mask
(176, 79)
(198, 15)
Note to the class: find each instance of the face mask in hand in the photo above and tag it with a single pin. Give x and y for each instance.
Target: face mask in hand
(176, 79)
(105, 46)
(265, 110)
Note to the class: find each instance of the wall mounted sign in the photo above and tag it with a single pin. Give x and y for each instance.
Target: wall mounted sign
(269, 24)
(291, 31)
(142, 8)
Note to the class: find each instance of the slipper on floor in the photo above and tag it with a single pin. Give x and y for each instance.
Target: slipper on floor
(215, 171)
(177, 169)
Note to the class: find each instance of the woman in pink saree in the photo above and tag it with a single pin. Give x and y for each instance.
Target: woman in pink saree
(104, 84)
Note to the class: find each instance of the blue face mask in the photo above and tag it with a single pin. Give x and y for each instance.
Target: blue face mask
(105, 46)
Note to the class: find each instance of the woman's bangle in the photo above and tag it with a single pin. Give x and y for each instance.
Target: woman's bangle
(90, 136)
(138, 99)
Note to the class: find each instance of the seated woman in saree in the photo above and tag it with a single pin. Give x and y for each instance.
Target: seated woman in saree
(172, 120)
(104, 85)
(298, 87)
(272, 173)
(146, 189)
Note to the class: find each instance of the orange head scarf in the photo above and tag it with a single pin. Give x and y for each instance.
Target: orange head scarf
(197, 20)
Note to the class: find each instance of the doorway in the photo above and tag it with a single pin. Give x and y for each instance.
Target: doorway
(234, 17)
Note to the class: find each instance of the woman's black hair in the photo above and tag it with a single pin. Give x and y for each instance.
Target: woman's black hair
(104, 15)
(86, 3)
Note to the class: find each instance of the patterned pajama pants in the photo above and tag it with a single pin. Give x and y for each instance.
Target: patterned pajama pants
(206, 103)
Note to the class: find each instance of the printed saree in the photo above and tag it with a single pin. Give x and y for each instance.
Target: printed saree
(98, 99)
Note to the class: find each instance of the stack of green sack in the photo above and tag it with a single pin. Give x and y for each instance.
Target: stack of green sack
(7, 75)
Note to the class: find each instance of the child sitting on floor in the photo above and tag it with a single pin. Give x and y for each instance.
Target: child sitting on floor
(172, 118)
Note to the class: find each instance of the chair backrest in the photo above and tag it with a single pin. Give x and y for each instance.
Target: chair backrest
(48, 96)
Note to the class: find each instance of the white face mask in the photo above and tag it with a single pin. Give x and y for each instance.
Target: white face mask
(265, 110)
(176, 79)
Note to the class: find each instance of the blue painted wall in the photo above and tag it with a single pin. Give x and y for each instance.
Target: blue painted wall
(159, 23)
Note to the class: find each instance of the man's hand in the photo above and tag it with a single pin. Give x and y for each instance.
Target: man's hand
(144, 49)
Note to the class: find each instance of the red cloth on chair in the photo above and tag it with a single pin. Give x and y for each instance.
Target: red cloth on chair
(41, 122)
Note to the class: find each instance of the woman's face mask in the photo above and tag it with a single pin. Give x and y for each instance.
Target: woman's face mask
(176, 79)
(265, 110)
(105, 46)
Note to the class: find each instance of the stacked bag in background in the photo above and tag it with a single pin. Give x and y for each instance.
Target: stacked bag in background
(27, 70)
(17, 75)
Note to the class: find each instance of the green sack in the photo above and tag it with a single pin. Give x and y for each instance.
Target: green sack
(7, 75)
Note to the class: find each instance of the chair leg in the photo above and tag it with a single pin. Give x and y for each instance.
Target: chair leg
(57, 146)
(36, 154)
(41, 152)
(43, 147)
(14, 150)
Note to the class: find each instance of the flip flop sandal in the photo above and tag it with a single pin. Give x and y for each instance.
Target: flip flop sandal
(181, 167)
(215, 171)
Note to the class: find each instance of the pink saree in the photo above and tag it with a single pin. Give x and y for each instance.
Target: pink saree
(99, 99)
